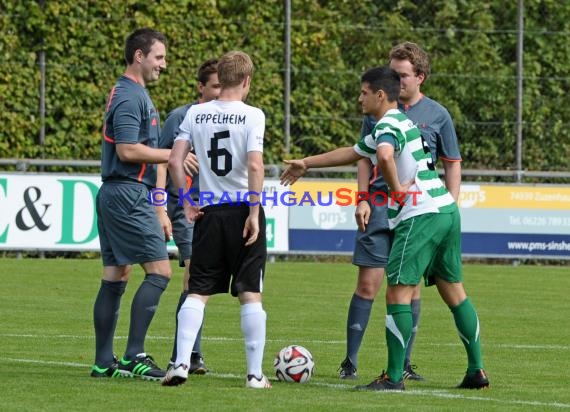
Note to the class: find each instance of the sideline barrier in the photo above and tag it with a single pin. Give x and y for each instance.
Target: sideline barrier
(515, 220)
(53, 212)
(498, 221)
(57, 212)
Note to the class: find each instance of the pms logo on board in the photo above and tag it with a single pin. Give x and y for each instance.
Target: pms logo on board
(471, 195)
(328, 217)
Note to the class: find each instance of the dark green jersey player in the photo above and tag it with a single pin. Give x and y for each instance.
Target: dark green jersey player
(129, 231)
(372, 242)
(427, 237)
(427, 231)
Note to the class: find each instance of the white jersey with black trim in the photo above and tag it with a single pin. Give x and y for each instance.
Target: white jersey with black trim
(222, 133)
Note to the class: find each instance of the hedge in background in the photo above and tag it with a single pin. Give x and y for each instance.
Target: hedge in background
(472, 45)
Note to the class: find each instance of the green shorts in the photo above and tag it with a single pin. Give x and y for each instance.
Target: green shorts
(426, 245)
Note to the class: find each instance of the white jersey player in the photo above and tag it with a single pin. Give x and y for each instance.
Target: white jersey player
(229, 244)
(223, 133)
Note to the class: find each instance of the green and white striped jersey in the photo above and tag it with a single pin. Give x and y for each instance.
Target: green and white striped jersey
(414, 162)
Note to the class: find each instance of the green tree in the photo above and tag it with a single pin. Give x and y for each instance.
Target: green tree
(472, 45)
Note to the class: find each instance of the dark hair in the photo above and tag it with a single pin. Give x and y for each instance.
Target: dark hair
(414, 54)
(142, 39)
(383, 78)
(207, 68)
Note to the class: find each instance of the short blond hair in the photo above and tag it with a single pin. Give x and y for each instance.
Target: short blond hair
(233, 68)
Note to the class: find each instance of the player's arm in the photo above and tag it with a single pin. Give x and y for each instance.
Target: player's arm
(448, 148)
(362, 212)
(386, 162)
(386, 147)
(141, 153)
(170, 132)
(298, 167)
(363, 167)
(161, 170)
(255, 175)
(179, 151)
(127, 122)
(452, 169)
(176, 169)
(165, 141)
(191, 166)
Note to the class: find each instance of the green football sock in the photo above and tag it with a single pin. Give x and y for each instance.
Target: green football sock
(398, 331)
(467, 324)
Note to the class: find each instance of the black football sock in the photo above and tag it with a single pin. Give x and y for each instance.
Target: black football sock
(105, 315)
(143, 309)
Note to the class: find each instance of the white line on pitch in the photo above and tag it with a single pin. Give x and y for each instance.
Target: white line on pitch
(300, 340)
(412, 392)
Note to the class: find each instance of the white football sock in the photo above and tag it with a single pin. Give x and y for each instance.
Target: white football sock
(253, 320)
(190, 319)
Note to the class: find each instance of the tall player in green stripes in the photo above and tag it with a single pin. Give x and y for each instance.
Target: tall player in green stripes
(427, 228)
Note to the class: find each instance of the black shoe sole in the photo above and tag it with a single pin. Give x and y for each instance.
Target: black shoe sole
(127, 374)
(348, 377)
(97, 375)
(150, 378)
(377, 388)
(175, 381)
(485, 386)
(414, 378)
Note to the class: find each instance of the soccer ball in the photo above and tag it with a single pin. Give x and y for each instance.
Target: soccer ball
(294, 363)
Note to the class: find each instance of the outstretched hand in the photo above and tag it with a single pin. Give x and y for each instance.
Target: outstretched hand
(296, 169)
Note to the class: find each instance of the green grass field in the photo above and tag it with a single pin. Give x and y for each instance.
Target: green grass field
(47, 343)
